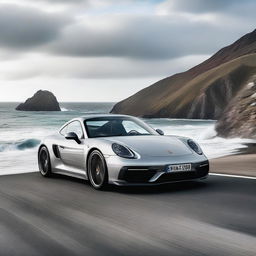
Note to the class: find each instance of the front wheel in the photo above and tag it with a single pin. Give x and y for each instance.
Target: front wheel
(97, 170)
(44, 162)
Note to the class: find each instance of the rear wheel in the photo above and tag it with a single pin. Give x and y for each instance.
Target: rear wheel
(97, 170)
(44, 162)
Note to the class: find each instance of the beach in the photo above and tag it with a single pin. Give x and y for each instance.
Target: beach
(243, 164)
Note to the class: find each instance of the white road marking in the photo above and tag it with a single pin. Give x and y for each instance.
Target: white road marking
(232, 176)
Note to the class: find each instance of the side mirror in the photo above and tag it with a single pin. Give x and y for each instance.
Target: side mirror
(159, 131)
(72, 136)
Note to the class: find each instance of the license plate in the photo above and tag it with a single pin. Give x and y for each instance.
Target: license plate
(179, 167)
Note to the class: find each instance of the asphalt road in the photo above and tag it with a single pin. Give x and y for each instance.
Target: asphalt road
(64, 216)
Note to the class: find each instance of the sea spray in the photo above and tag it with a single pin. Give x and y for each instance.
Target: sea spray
(19, 145)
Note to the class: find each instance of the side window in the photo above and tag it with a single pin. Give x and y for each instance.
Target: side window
(93, 127)
(75, 127)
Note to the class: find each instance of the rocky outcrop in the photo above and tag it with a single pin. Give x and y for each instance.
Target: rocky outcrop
(201, 92)
(41, 101)
(239, 118)
(215, 97)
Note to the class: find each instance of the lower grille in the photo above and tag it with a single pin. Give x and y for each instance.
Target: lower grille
(198, 171)
(137, 174)
(143, 174)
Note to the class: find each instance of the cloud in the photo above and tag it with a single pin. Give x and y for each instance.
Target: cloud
(56, 67)
(110, 45)
(201, 6)
(64, 1)
(26, 28)
(97, 2)
(145, 37)
(81, 90)
(142, 37)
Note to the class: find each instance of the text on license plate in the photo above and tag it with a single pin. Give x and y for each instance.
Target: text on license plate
(179, 167)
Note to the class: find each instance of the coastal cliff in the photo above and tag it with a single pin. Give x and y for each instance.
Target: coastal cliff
(41, 101)
(239, 118)
(201, 92)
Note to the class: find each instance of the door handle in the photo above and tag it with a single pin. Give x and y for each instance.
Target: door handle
(62, 147)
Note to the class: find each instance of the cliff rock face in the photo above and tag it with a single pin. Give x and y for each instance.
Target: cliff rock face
(41, 101)
(201, 92)
(214, 98)
(239, 118)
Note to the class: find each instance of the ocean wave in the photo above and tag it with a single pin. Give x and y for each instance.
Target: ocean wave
(207, 133)
(64, 109)
(3, 126)
(19, 145)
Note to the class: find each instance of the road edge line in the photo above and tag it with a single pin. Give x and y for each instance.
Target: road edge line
(232, 176)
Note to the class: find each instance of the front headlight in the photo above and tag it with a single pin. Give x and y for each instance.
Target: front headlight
(193, 145)
(122, 151)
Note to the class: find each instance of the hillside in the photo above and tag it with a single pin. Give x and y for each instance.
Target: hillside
(201, 92)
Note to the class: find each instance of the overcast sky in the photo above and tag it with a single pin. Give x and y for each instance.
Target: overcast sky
(106, 50)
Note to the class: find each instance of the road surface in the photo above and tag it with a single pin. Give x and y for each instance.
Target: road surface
(65, 216)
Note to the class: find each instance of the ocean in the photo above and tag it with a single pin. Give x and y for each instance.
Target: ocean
(21, 133)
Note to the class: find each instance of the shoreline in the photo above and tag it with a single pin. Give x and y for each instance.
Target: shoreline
(240, 164)
(243, 163)
(251, 149)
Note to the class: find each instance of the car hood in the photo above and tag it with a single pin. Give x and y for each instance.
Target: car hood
(154, 145)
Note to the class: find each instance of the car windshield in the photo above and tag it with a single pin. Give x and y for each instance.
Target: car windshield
(116, 126)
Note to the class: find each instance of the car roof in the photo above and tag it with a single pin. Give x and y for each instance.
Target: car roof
(90, 116)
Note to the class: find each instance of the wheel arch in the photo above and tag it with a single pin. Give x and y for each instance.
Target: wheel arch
(49, 156)
(87, 158)
(88, 154)
(42, 145)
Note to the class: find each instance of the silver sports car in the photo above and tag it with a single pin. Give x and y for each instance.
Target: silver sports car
(120, 150)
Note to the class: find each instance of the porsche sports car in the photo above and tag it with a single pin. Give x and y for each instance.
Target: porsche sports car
(120, 150)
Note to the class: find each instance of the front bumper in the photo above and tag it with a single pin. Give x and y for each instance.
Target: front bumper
(156, 174)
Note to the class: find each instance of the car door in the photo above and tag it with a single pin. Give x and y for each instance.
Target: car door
(71, 153)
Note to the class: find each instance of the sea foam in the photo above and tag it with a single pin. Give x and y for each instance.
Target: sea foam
(19, 145)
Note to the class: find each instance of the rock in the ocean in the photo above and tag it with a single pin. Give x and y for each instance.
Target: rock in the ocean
(239, 118)
(41, 101)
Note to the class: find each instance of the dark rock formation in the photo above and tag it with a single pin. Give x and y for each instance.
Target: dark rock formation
(215, 97)
(201, 92)
(239, 118)
(41, 101)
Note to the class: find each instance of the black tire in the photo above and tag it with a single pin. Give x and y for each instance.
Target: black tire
(44, 162)
(97, 170)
